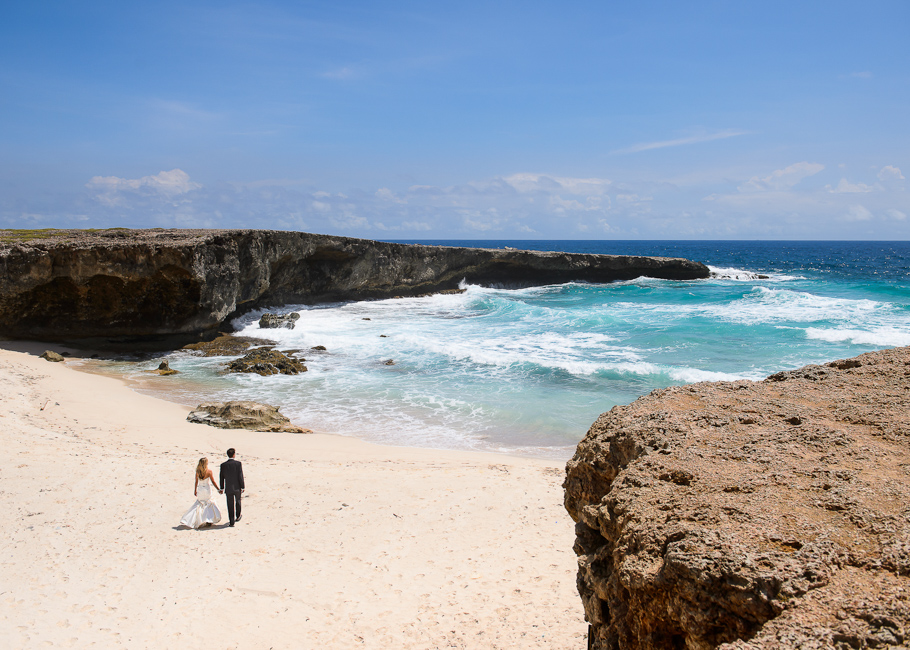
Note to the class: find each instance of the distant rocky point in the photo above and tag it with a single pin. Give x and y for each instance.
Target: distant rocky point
(750, 515)
(142, 285)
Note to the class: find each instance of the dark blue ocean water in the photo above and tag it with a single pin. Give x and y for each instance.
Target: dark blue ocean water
(876, 261)
(527, 371)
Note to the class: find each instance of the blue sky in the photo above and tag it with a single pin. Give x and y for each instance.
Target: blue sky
(409, 120)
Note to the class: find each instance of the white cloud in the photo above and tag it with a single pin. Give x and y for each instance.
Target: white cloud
(846, 187)
(386, 194)
(480, 226)
(521, 204)
(562, 205)
(694, 139)
(169, 183)
(110, 190)
(782, 179)
(857, 213)
(890, 173)
(350, 221)
(527, 182)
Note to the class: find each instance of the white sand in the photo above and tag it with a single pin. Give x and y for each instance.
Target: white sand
(342, 544)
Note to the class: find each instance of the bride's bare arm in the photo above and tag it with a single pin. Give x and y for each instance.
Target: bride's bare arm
(196, 484)
(212, 479)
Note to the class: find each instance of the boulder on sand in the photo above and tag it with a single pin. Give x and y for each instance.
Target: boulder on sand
(252, 416)
(50, 355)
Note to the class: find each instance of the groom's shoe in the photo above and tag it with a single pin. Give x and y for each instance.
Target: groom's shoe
(238, 517)
(231, 524)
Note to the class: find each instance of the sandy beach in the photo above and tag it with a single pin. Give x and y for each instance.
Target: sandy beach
(342, 543)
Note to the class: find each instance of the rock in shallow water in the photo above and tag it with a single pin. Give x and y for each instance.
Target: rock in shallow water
(164, 369)
(243, 415)
(273, 321)
(744, 514)
(266, 362)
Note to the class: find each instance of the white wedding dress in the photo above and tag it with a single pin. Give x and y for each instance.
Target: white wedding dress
(203, 511)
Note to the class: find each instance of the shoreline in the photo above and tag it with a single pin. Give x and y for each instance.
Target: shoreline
(343, 542)
(164, 389)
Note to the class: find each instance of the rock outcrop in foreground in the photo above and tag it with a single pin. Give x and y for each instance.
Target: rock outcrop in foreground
(147, 283)
(771, 514)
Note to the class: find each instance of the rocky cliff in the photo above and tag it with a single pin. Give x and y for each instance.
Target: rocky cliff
(145, 283)
(771, 514)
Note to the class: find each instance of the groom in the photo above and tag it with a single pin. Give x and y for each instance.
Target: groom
(231, 480)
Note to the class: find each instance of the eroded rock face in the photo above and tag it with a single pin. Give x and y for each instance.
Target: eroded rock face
(243, 415)
(770, 514)
(273, 321)
(157, 283)
(266, 362)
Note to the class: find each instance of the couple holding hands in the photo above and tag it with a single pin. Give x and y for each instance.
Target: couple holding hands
(204, 512)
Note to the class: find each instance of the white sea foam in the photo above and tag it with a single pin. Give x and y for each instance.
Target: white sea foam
(742, 275)
(692, 375)
(766, 305)
(879, 337)
(531, 368)
(686, 375)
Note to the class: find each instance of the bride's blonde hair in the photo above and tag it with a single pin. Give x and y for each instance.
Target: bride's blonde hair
(202, 467)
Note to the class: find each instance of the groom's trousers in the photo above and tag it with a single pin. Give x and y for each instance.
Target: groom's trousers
(233, 505)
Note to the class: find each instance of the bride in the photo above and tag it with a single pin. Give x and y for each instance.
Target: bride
(203, 513)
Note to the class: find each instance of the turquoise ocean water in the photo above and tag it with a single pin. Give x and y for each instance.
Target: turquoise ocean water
(527, 371)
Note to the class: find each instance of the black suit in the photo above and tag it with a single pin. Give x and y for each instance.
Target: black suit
(231, 481)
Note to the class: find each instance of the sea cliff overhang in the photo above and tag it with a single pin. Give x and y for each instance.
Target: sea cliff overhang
(70, 284)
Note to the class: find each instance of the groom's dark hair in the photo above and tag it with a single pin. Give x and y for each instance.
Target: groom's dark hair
(231, 452)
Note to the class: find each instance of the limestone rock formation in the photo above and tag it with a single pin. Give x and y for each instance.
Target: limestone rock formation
(758, 515)
(263, 361)
(243, 415)
(149, 284)
(226, 345)
(272, 321)
(50, 355)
